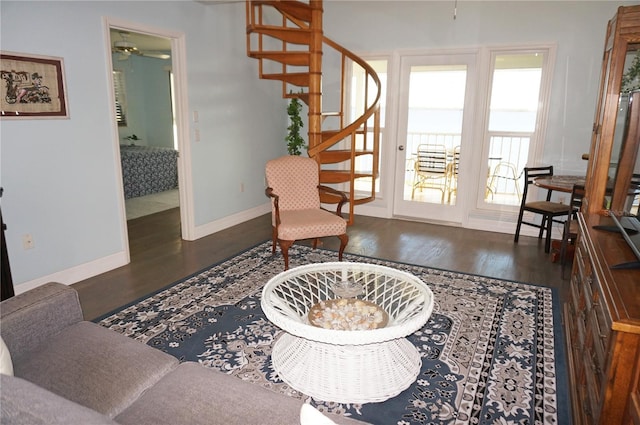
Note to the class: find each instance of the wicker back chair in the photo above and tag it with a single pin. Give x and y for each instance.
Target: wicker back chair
(294, 189)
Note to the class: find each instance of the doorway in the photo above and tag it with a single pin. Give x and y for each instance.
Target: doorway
(143, 90)
(149, 118)
(435, 115)
(459, 128)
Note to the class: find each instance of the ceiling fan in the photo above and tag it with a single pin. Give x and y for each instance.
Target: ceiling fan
(127, 48)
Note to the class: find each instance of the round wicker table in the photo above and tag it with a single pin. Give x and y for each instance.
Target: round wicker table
(347, 366)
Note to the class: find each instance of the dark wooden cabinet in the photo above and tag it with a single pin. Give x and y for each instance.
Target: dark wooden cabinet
(602, 320)
(602, 315)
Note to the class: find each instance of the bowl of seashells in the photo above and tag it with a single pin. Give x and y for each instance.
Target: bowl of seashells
(350, 314)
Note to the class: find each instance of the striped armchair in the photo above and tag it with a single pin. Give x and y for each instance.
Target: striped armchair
(294, 189)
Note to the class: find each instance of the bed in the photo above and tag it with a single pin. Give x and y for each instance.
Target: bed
(148, 169)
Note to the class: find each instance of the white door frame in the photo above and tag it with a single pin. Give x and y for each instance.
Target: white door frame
(453, 214)
(178, 63)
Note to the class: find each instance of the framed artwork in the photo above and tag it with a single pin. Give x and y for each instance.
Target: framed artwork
(33, 87)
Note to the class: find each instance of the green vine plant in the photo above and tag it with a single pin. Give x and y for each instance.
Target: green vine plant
(295, 141)
(631, 79)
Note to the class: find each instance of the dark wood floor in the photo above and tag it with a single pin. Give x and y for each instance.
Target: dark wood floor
(159, 257)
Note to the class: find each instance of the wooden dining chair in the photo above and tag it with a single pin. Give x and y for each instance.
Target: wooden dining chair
(570, 230)
(294, 190)
(547, 209)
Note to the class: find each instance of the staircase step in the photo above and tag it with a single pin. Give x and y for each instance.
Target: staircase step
(296, 9)
(296, 78)
(364, 200)
(336, 156)
(336, 176)
(329, 198)
(289, 35)
(326, 134)
(356, 201)
(288, 58)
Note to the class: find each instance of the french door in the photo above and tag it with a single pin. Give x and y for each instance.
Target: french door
(435, 118)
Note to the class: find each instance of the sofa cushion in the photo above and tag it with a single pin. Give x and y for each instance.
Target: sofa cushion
(24, 403)
(193, 394)
(96, 367)
(6, 366)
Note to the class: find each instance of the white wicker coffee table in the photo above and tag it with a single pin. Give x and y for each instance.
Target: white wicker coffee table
(347, 366)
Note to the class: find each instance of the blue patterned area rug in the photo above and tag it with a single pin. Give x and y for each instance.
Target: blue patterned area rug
(492, 351)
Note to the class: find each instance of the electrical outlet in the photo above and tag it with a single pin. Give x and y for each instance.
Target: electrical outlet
(241, 187)
(561, 199)
(27, 241)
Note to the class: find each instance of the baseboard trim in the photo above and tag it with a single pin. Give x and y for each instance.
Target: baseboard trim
(77, 273)
(105, 264)
(232, 220)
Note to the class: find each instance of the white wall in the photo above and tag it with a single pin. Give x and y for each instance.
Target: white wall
(59, 175)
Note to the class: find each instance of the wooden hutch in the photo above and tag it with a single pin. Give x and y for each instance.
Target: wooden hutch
(602, 315)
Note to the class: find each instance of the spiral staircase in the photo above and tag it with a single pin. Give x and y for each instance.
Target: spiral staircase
(287, 39)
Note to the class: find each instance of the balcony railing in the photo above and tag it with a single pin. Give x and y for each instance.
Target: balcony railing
(508, 153)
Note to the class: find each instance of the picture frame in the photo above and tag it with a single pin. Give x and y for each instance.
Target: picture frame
(34, 86)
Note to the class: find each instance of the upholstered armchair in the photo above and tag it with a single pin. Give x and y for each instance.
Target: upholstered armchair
(294, 189)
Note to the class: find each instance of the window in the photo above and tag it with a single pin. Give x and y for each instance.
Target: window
(120, 98)
(514, 106)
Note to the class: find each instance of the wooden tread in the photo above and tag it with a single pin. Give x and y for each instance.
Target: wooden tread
(296, 78)
(296, 9)
(288, 35)
(336, 156)
(287, 58)
(338, 176)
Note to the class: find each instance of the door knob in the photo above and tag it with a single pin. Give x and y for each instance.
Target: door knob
(400, 148)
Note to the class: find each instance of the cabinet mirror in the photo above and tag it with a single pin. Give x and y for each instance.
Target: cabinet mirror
(613, 147)
(624, 167)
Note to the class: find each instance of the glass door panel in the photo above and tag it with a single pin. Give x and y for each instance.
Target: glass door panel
(433, 104)
(513, 113)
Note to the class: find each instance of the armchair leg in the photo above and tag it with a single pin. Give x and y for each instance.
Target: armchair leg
(274, 237)
(284, 247)
(344, 239)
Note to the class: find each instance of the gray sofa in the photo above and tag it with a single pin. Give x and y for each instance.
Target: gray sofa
(70, 371)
